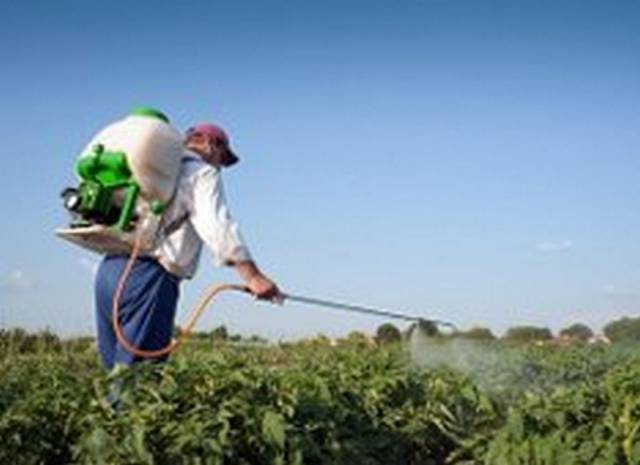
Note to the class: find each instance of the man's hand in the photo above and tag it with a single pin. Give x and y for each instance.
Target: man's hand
(265, 289)
(259, 285)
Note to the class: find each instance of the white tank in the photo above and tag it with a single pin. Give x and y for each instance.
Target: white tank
(153, 149)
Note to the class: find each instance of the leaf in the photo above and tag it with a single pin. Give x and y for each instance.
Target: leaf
(273, 429)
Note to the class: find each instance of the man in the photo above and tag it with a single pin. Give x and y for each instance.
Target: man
(197, 214)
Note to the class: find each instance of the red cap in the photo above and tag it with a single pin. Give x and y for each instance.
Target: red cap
(218, 135)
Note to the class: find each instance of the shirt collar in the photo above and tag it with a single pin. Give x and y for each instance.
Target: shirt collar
(189, 155)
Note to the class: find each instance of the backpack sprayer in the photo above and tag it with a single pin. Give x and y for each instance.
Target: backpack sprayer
(128, 174)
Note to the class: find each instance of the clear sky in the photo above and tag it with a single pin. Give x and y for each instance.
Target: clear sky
(470, 160)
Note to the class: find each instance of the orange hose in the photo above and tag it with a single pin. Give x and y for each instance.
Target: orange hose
(185, 330)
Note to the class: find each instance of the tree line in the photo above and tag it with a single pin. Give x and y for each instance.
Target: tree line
(625, 329)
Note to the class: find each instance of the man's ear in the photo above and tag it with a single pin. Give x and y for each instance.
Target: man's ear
(188, 144)
(210, 148)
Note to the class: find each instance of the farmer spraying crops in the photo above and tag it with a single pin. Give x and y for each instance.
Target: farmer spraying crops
(148, 199)
(136, 294)
(197, 214)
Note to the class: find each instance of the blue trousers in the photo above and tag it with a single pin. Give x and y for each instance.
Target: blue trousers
(147, 307)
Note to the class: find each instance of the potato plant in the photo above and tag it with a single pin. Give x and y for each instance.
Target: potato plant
(311, 403)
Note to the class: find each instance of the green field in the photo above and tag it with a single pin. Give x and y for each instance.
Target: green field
(314, 403)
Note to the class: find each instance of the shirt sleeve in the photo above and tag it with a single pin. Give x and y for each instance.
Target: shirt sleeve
(212, 220)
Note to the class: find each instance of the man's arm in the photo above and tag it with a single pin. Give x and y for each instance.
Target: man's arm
(212, 221)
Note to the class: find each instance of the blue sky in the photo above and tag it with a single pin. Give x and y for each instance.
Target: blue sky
(469, 160)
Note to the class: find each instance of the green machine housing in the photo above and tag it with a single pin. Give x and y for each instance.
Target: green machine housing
(107, 193)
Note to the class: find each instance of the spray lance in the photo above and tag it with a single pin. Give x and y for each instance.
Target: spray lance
(423, 323)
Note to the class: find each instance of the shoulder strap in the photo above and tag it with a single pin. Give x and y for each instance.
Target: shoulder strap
(172, 227)
(167, 230)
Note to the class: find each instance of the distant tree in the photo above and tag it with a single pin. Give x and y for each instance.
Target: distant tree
(623, 330)
(202, 335)
(577, 331)
(257, 339)
(18, 340)
(527, 334)
(320, 341)
(220, 333)
(423, 328)
(476, 333)
(387, 334)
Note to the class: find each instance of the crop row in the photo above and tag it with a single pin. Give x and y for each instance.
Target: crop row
(313, 404)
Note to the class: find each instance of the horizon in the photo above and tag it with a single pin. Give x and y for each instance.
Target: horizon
(404, 331)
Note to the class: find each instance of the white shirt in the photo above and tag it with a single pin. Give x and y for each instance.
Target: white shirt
(198, 213)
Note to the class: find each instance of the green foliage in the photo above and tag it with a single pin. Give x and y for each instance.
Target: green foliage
(521, 334)
(594, 423)
(18, 341)
(623, 330)
(312, 403)
(476, 334)
(578, 332)
(346, 405)
(356, 339)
